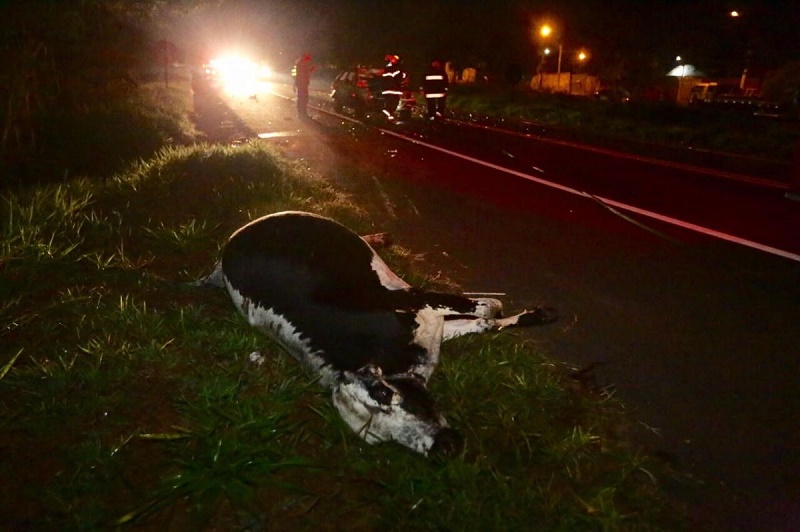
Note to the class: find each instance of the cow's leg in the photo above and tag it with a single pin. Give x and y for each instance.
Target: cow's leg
(487, 307)
(429, 336)
(461, 326)
(216, 279)
(443, 304)
(387, 277)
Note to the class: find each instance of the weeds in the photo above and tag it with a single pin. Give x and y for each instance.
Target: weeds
(10, 364)
(184, 237)
(98, 349)
(130, 399)
(233, 449)
(648, 122)
(46, 226)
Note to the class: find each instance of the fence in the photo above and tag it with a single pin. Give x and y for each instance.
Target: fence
(566, 82)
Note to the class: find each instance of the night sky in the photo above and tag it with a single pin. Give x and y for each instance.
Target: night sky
(502, 32)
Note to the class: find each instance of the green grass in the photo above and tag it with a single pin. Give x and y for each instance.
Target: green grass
(129, 397)
(101, 135)
(649, 122)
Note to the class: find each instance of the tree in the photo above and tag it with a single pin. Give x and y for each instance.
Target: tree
(783, 85)
(61, 57)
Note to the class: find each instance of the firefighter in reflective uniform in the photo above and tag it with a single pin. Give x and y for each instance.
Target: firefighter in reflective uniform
(435, 86)
(394, 77)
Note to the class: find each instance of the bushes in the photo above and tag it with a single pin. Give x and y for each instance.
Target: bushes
(134, 394)
(101, 139)
(659, 122)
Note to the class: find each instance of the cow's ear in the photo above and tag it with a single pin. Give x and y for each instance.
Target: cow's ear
(371, 370)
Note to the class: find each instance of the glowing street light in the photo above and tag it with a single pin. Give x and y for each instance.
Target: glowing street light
(743, 81)
(546, 31)
(679, 60)
(682, 66)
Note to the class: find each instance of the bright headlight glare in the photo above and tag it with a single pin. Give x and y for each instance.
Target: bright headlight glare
(237, 74)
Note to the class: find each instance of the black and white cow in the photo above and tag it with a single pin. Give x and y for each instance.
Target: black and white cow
(327, 297)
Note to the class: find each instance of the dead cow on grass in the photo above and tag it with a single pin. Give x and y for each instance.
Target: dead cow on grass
(326, 296)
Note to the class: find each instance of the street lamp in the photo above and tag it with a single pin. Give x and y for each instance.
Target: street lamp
(679, 60)
(545, 31)
(743, 79)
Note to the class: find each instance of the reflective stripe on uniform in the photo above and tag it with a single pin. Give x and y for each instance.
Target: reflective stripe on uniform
(436, 95)
(399, 93)
(435, 77)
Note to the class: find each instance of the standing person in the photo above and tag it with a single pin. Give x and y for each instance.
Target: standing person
(393, 78)
(301, 72)
(435, 88)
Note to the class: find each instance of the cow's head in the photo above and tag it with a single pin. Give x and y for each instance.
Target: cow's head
(394, 408)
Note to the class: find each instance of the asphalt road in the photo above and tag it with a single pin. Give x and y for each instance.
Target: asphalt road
(697, 334)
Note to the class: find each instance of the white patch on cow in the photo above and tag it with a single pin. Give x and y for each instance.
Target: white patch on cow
(484, 308)
(216, 278)
(433, 329)
(376, 423)
(487, 307)
(257, 358)
(387, 277)
(456, 328)
(511, 320)
(428, 335)
(395, 408)
(283, 332)
(460, 327)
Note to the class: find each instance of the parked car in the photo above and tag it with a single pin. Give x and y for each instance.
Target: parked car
(358, 88)
(612, 94)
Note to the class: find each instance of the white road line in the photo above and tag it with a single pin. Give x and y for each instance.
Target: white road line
(766, 183)
(630, 208)
(624, 206)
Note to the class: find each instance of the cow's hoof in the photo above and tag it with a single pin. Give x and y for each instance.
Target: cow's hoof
(378, 240)
(448, 442)
(539, 316)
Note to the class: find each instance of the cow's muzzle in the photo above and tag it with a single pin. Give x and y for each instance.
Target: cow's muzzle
(447, 442)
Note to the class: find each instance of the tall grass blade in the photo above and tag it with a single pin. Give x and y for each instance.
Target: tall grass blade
(7, 367)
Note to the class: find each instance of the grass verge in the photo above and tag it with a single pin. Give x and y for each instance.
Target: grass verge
(99, 137)
(131, 399)
(650, 122)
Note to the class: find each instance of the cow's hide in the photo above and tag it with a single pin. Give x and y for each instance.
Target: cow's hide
(326, 296)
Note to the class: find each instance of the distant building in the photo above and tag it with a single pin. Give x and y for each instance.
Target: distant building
(566, 82)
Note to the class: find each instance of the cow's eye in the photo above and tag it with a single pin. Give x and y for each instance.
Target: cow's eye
(382, 394)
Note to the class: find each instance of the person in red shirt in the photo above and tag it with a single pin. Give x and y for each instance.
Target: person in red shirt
(301, 72)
